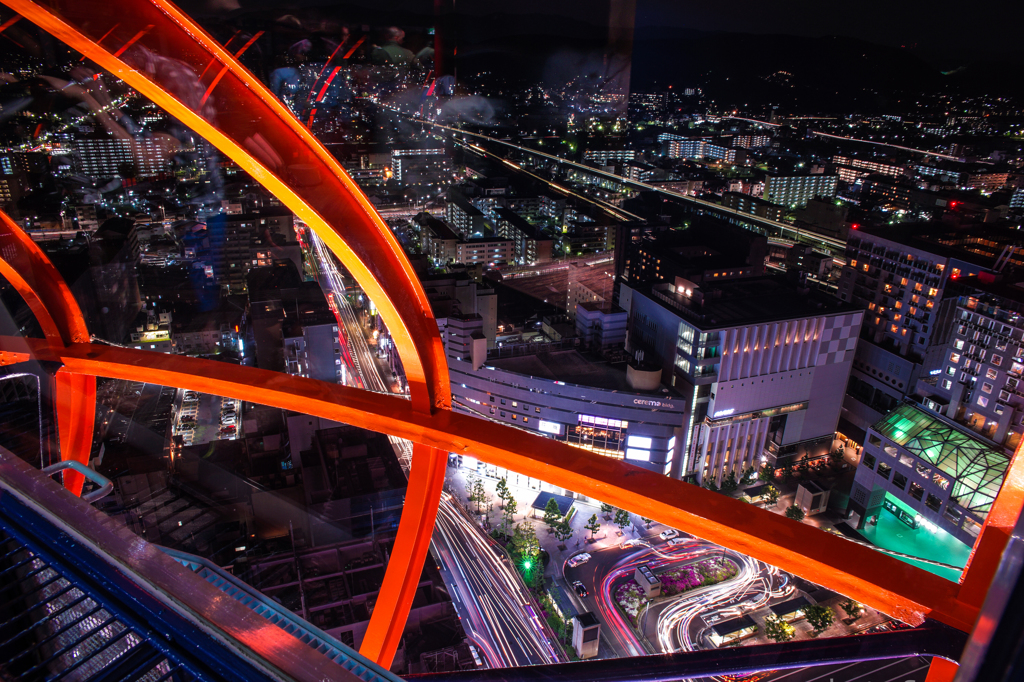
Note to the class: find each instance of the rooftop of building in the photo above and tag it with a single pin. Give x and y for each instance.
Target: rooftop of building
(462, 202)
(788, 607)
(520, 223)
(440, 228)
(753, 300)
(1005, 293)
(946, 240)
(269, 281)
(976, 465)
(605, 307)
(729, 627)
(207, 320)
(571, 367)
(474, 241)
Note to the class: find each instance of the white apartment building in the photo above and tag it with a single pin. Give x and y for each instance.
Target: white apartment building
(797, 190)
(763, 364)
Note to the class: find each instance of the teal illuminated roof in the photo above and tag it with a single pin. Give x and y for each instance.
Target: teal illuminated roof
(976, 468)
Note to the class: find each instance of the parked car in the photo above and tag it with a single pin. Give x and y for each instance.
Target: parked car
(578, 560)
(675, 541)
(580, 588)
(669, 534)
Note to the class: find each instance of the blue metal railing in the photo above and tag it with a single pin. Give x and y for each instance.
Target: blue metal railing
(283, 618)
(82, 598)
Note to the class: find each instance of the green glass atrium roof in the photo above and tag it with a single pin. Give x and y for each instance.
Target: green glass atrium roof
(976, 468)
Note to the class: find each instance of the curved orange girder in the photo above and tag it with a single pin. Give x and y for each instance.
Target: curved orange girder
(249, 125)
(245, 122)
(32, 274)
(881, 581)
(160, 52)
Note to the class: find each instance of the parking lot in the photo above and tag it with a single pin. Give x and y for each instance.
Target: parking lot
(202, 418)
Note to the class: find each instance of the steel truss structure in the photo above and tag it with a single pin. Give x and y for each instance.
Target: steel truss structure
(976, 469)
(151, 45)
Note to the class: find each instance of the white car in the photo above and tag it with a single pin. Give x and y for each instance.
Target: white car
(631, 543)
(669, 534)
(675, 541)
(575, 561)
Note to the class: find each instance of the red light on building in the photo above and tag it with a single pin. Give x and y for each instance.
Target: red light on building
(855, 226)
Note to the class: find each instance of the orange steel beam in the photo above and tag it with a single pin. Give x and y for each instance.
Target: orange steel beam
(75, 398)
(941, 670)
(28, 269)
(253, 128)
(426, 479)
(41, 286)
(35, 304)
(250, 126)
(883, 582)
(245, 121)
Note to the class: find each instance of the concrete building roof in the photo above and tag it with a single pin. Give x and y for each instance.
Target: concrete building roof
(753, 300)
(569, 366)
(726, 628)
(788, 607)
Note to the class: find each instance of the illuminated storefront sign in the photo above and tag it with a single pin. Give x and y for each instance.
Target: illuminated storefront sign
(553, 428)
(653, 403)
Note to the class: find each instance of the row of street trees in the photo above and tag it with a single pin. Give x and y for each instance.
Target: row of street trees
(819, 616)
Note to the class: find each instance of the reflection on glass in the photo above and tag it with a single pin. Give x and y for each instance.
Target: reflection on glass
(546, 202)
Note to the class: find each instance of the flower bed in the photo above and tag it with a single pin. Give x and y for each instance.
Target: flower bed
(706, 572)
(630, 596)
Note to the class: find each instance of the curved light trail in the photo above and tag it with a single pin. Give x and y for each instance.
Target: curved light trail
(754, 585)
(493, 603)
(317, 190)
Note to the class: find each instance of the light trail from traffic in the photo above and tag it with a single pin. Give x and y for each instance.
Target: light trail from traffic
(884, 144)
(357, 350)
(499, 615)
(485, 588)
(753, 586)
(611, 210)
(836, 244)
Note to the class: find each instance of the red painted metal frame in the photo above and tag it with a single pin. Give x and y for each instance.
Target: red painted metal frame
(883, 582)
(28, 269)
(157, 50)
(250, 126)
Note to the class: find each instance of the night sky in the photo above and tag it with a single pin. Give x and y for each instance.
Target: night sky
(945, 33)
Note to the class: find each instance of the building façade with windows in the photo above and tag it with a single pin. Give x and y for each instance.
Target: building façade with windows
(761, 362)
(977, 379)
(564, 391)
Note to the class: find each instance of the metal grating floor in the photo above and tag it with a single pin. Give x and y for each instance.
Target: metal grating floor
(52, 629)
